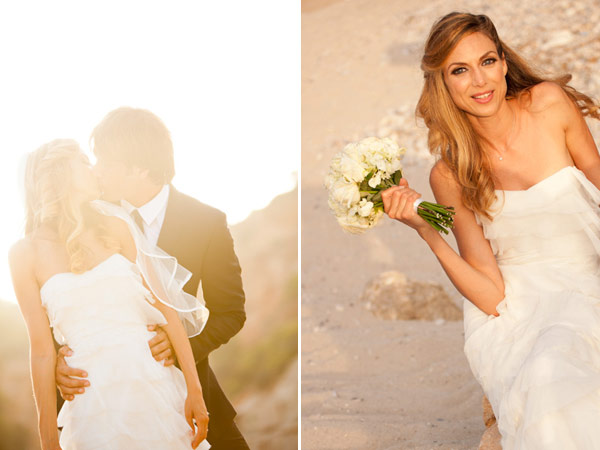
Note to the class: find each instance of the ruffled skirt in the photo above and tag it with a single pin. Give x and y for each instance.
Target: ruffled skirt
(133, 402)
(538, 362)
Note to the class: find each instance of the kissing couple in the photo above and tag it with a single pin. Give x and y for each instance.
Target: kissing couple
(126, 277)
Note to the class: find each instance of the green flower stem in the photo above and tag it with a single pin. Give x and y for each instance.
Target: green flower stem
(438, 208)
(425, 214)
(437, 227)
(439, 221)
(442, 212)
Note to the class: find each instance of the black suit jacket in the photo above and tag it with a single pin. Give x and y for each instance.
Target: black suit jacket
(198, 236)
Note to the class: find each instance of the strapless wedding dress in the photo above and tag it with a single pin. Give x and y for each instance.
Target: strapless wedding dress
(133, 402)
(538, 362)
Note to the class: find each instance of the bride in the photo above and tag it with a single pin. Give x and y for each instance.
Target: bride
(518, 163)
(86, 270)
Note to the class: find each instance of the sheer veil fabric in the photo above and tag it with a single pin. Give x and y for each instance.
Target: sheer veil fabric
(164, 276)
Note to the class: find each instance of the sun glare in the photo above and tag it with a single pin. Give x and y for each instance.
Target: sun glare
(224, 78)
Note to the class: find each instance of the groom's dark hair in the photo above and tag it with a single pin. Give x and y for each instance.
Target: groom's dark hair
(137, 138)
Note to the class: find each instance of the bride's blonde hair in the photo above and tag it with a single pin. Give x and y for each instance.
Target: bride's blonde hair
(451, 135)
(50, 199)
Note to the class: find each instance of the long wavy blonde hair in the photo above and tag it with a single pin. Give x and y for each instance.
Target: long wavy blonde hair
(451, 135)
(50, 200)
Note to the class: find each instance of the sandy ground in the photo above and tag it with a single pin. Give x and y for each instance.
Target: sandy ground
(368, 383)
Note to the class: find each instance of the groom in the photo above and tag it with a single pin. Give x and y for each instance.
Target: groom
(135, 166)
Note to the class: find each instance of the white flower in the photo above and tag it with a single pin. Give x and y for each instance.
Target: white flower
(357, 224)
(345, 193)
(353, 151)
(365, 207)
(381, 163)
(375, 180)
(354, 224)
(352, 169)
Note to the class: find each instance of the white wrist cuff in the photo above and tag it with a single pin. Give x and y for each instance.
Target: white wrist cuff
(417, 203)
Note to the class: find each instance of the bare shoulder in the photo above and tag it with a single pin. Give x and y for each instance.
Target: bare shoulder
(22, 254)
(441, 179)
(547, 95)
(22, 260)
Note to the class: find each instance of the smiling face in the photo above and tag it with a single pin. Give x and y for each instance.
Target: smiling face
(474, 75)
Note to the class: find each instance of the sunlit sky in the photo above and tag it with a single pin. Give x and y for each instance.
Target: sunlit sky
(224, 76)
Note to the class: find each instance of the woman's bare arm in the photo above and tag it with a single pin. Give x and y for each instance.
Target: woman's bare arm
(550, 102)
(579, 140)
(474, 272)
(41, 347)
(178, 337)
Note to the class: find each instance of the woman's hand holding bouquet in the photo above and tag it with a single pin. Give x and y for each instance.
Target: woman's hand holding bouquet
(398, 203)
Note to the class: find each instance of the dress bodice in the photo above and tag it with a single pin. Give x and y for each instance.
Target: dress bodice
(551, 222)
(108, 300)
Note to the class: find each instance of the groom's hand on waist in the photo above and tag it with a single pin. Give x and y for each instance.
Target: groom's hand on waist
(67, 385)
(161, 347)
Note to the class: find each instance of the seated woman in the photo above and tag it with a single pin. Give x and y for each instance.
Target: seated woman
(518, 163)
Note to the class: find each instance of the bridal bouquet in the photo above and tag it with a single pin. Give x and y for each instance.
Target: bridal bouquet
(359, 173)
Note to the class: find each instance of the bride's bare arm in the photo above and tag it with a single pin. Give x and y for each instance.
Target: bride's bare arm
(195, 407)
(41, 347)
(474, 272)
(560, 112)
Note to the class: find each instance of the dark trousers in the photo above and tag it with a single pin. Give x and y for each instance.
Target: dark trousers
(229, 438)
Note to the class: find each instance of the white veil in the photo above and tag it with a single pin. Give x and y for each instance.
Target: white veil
(164, 276)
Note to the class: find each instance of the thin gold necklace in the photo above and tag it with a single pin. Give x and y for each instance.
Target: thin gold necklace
(512, 128)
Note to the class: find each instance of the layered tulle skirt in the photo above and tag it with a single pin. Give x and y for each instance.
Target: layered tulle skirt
(133, 402)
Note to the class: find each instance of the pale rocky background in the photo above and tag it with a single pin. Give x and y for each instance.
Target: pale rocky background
(258, 368)
(370, 381)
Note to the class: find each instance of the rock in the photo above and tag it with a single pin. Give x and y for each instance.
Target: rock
(392, 296)
(269, 420)
(557, 39)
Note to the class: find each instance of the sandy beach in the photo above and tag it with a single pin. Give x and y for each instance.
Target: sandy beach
(370, 383)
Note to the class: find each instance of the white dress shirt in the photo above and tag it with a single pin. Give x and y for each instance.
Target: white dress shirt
(153, 213)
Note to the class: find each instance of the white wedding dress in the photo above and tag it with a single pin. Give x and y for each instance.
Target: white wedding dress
(538, 362)
(133, 402)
